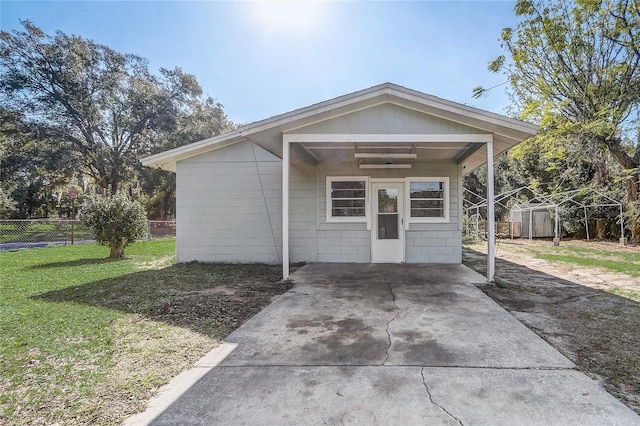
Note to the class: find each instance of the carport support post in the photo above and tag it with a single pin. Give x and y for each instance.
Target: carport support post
(491, 217)
(285, 209)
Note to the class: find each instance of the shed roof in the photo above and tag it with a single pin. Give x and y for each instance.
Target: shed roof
(268, 133)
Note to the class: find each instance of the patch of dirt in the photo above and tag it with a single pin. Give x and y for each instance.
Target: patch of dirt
(220, 310)
(570, 307)
(174, 316)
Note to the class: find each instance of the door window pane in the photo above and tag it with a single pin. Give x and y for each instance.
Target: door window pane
(388, 227)
(388, 214)
(388, 200)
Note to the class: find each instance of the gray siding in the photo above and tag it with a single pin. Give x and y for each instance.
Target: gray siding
(340, 242)
(229, 206)
(424, 242)
(387, 118)
(230, 210)
(438, 242)
(303, 235)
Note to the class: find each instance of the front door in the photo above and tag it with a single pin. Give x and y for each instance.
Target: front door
(387, 239)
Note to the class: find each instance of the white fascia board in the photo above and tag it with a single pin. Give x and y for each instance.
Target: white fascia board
(387, 138)
(457, 108)
(465, 118)
(386, 92)
(290, 118)
(182, 152)
(289, 121)
(400, 96)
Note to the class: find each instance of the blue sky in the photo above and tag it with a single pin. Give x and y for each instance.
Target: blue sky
(260, 59)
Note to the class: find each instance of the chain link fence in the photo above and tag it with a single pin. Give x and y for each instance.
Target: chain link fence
(162, 228)
(26, 233)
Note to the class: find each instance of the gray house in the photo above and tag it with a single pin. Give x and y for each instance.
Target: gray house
(372, 176)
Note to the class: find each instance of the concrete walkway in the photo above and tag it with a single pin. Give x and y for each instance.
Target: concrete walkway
(387, 345)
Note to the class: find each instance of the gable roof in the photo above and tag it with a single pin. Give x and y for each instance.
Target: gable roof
(507, 132)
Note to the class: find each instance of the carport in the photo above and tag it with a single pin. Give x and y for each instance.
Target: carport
(385, 344)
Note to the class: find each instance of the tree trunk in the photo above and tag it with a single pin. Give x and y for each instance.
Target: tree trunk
(628, 163)
(168, 207)
(601, 229)
(117, 249)
(114, 186)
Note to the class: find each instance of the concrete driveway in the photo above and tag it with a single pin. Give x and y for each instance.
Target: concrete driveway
(378, 344)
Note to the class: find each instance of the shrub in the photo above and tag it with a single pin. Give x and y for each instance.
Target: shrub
(115, 221)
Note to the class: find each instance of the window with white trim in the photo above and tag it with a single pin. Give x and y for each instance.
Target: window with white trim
(347, 199)
(428, 199)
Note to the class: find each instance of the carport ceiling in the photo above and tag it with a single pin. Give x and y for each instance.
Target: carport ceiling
(346, 152)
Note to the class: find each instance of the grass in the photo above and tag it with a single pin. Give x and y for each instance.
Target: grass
(86, 340)
(618, 259)
(624, 262)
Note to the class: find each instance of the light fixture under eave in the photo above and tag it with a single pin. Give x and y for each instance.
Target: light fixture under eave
(398, 155)
(385, 166)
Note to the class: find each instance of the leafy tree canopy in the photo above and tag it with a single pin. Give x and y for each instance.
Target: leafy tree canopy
(103, 106)
(574, 68)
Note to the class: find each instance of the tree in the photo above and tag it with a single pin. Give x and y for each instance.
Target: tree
(575, 69)
(102, 105)
(201, 119)
(115, 221)
(32, 169)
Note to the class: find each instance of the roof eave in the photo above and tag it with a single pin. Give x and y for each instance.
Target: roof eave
(387, 92)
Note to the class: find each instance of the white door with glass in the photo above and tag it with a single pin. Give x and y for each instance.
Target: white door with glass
(387, 206)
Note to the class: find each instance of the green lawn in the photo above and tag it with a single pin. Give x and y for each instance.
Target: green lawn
(625, 261)
(606, 256)
(86, 340)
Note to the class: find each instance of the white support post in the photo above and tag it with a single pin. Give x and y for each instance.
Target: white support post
(491, 218)
(285, 209)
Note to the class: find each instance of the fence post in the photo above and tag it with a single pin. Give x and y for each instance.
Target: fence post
(623, 240)
(586, 223)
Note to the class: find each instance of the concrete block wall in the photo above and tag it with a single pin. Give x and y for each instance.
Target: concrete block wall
(230, 210)
(351, 241)
(424, 242)
(303, 235)
(433, 243)
(437, 242)
(339, 241)
(229, 206)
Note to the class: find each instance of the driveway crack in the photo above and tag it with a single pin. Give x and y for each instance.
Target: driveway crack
(424, 382)
(393, 300)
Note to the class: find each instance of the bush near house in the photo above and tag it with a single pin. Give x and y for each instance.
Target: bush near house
(116, 221)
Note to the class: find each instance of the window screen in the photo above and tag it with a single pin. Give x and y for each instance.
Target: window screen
(348, 198)
(427, 199)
